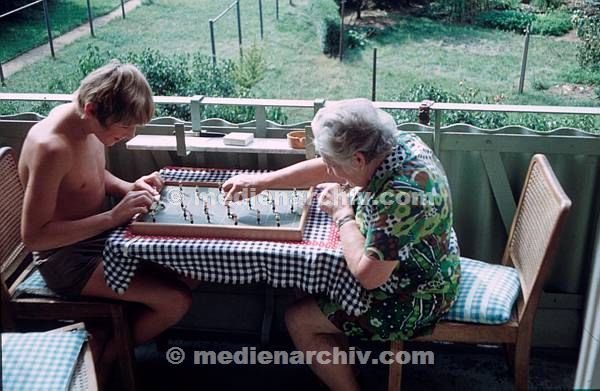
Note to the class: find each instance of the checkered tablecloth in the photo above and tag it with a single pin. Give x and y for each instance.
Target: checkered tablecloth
(316, 264)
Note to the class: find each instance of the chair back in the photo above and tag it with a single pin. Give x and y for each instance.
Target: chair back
(12, 250)
(533, 238)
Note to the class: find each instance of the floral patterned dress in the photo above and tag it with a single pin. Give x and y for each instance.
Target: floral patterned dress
(405, 215)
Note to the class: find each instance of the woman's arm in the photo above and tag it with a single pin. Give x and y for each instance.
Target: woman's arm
(302, 175)
(370, 272)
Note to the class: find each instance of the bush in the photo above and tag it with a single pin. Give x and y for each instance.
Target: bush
(547, 4)
(509, 20)
(251, 68)
(356, 38)
(93, 58)
(420, 92)
(330, 37)
(489, 120)
(185, 75)
(588, 31)
(555, 23)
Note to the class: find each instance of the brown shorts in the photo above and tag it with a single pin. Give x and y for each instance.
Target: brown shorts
(66, 270)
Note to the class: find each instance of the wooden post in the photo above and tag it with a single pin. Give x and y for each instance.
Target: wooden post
(277, 9)
(211, 26)
(89, 9)
(239, 26)
(47, 18)
(341, 50)
(524, 61)
(374, 82)
(2, 77)
(123, 8)
(260, 14)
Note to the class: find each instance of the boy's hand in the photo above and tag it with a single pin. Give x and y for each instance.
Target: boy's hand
(152, 183)
(134, 202)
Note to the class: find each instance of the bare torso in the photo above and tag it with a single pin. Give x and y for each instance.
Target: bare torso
(81, 192)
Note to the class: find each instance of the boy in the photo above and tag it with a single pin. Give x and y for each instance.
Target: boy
(62, 167)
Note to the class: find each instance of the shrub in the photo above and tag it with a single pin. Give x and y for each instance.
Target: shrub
(547, 4)
(185, 75)
(504, 4)
(251, 68)
(588, 31)
(485, 120)
(421, 92)
(555, 23)
(354, 37)
(330, 36)
(357, 38)
(509, 20)
(93, 58)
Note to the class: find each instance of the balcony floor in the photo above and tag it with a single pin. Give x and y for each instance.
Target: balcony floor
(457, 367)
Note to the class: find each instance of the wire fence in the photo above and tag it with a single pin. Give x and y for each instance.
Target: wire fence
(48, 23)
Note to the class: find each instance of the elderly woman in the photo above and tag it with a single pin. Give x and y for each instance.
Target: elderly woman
(395, 228)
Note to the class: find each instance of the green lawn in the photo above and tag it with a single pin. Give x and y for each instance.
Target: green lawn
(26, 29)
(413, 50)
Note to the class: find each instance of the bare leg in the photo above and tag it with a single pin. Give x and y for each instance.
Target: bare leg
(163, 301)
(311, 330)
(160, 271)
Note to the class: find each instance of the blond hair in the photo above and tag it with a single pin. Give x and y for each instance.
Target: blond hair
(119, 92)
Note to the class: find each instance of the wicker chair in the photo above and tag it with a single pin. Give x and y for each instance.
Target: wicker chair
(16, 266)
(532, 242)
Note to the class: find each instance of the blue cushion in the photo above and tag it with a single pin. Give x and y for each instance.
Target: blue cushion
(487, 293)
(40, 361)
(34, 284)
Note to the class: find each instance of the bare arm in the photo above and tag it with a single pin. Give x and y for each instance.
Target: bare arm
(370, 272)
(302, 175)
(49, 165)
(116, 187)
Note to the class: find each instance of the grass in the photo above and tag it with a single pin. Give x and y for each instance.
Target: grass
(26, 29)
(411, 51)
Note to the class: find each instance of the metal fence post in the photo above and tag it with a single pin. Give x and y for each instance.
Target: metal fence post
(123, 8)
(341, 50)
(261, 18)
(524, 61)
(374, 82)
(211, 24)
(277, 9)
(239, 23)
(47, 18)
(89, 7)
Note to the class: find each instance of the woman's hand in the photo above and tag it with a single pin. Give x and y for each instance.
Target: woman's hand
(243, 186)
(334, 200)
(152, 183)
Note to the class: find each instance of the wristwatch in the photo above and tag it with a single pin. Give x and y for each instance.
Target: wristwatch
(343, 220)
